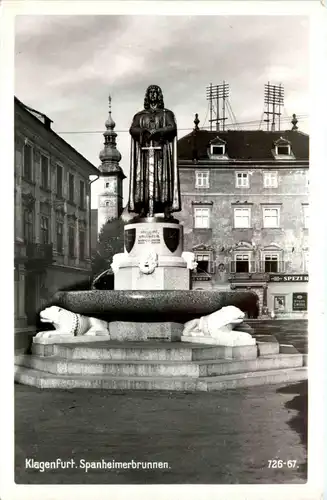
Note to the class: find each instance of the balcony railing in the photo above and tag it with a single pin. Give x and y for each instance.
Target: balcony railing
(39, 253)
(252, 266)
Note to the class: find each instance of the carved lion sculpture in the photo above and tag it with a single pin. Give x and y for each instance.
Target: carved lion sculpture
(219, 325)
(70, 324)
(189, 258)
(149, 262)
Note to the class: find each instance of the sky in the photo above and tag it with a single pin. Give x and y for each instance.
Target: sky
(66, 67)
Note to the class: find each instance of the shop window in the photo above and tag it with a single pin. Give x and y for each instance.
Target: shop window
(279, 303)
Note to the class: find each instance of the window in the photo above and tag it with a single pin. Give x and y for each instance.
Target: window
(107, 203)
(271, 217)
(202, 217)
(60, 237)
(59, 181)
(242, 263)
(279, 303)
(71, 188)
(44, 172)
(82, 194)
(71, 241)
(270, 180)
(27, 162)
(202, 179)
(242, 217)
(28, 226)
(306, 216)
(242, 179)
(283, 150)
(203, 262)
(81, 245)
(107, 184)
(271, 263)
(218, 150)
(44, 236)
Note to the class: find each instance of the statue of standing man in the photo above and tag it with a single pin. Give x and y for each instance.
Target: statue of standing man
(154, 180)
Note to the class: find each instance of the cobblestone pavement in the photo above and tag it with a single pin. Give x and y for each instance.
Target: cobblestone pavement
(223, 437)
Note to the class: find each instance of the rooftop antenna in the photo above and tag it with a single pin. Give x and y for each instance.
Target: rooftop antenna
(217, 93)
(274, 100)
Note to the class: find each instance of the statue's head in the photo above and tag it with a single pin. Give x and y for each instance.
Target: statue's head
(153, 97)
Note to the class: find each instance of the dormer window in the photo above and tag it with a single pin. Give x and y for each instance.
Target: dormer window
(283, 149)
(217, 149)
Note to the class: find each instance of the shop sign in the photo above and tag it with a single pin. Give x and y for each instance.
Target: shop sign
(201, 278)
(300, 301)
(289, 278)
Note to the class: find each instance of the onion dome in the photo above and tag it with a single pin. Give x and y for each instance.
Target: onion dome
(109, 156)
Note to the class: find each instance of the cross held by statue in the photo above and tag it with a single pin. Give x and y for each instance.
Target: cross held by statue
(151, 149)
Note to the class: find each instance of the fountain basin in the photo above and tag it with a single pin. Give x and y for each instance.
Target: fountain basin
(153, 305)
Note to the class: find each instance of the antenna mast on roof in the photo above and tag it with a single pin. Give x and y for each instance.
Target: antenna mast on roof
(216, 93)
(274, 100)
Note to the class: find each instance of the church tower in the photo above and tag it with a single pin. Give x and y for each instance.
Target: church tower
(110, 198)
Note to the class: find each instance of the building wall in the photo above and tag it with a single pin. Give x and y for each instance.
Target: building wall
(222, 196)
(34, 280)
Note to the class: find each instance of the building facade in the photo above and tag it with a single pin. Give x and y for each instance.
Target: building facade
(245, 213)
(52, 214)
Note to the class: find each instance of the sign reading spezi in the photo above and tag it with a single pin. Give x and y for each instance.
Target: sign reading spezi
(289, 278)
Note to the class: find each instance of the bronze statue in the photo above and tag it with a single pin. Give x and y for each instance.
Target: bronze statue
(154, 181)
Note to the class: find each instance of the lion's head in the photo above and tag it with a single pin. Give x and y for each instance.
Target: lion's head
(51, 315)
(226, 317)
(150, 261)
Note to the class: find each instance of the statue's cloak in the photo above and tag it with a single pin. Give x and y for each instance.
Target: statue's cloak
(166, 192)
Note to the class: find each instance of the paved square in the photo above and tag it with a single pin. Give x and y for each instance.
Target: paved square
(224, 437)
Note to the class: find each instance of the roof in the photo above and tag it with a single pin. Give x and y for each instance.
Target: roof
(242, 144)
(45, 122)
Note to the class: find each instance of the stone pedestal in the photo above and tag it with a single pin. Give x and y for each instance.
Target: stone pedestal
(129, 330)
(152, 259)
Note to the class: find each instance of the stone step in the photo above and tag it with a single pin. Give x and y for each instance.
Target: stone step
(155, 351)
(286, 375)
(265, 348)
(44, 380)
(160, 368)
